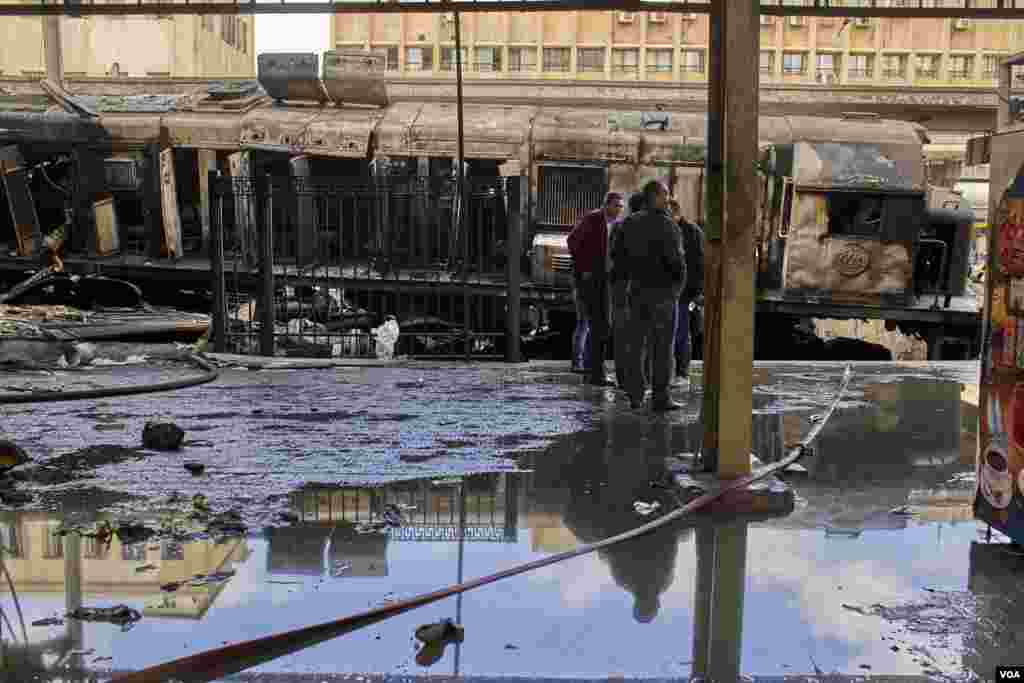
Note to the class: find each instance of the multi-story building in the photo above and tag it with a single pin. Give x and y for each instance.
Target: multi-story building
(179, 46)
(663, 46)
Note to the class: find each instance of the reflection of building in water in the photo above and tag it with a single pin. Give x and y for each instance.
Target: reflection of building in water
(297, 550)
(429, 509)
(36, 559)
(365, 555)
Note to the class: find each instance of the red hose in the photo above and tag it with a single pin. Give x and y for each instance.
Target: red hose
(224, 661)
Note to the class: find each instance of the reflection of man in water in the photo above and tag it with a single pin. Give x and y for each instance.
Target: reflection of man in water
(603, 488)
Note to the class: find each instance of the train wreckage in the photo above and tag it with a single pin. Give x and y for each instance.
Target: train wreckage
(310, 207)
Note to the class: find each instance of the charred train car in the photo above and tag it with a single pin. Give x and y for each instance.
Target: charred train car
(359, 195)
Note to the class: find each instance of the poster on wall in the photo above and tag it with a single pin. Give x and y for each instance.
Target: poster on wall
(1000, 461)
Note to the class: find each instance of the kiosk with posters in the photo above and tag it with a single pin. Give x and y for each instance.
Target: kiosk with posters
(1000, 463)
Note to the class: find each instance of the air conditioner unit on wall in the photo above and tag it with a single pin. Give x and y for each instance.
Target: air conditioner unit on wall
(796, 21)
(657, 17)
(961, 24)
(862, 22)
(626, 17)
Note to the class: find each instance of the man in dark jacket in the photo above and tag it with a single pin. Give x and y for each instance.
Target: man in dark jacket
(650, 257)
(588, 244)
(693, 246)
(620, 303)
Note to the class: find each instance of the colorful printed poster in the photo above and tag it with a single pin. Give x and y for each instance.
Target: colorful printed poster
(999, 499)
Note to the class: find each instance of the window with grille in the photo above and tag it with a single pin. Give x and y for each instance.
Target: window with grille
(828, 65)
(10, 540)
(488, 59)
(53, 545)
(522, 59)
(625, 60)
(692, 61)
(390, 54)
(927, 66)
(590, 59)
(556, 59)
(794, 63)
(861, 66)
(960, 67)
(894, 66)
(133, 553)
(989, 64)
(659, 60)
(766, 62)
(419, 58)
(448, 58)
(94, 549)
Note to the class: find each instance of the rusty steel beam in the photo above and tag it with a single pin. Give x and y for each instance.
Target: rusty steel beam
(964, 9)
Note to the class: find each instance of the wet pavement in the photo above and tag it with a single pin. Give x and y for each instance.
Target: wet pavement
(881, 569)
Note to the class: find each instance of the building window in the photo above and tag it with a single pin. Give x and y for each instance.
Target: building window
(827, 66)
(488, 59)
(894, 67)
(927, 66)
(862, 66)
(557, 59)
(961, 67)
(95, 549)
(133, 553)
(692, 61)
(172, 551)
(766, 62)
(448, 58)
(989, 65)
(625, 60)
(390, 55)
(53, 545)
(794, 63)
(522, 59)
(419, 58)
(10, 540)
(590, 59)
(659, 60)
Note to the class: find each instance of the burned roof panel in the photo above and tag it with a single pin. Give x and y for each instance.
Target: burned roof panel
(574, 134)
(393, 131)
(489, 131)
(205, 130)
(323, 131)
(137, 104)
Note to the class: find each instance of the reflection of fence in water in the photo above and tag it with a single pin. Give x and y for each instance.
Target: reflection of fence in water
(491, 511)
(348, 252)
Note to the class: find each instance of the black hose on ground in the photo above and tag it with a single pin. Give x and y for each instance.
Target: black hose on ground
(210, 373)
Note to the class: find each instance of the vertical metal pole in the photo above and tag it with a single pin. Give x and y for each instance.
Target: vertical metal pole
(462, 204)
(216, 223)
(514, 186)
(462, 554)
(75, 629)
(267, 270)
(54, 53)
(714, 219)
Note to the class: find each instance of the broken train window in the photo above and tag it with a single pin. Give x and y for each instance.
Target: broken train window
(855, 214)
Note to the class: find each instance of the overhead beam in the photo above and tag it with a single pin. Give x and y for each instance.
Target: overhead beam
(963, 9)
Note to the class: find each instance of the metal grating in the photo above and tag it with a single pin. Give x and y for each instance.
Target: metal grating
(566, 193)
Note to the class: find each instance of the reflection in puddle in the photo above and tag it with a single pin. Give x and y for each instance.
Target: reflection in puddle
(883, 517)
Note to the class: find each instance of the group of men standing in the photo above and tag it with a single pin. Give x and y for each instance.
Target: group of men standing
(635, 276)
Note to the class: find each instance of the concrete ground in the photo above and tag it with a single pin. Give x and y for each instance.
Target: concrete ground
(880, 571)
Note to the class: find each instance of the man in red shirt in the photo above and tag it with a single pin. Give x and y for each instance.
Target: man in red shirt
(588, 244)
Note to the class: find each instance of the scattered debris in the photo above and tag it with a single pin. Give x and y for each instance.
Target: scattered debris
(48, 621)
(510, 646)
(11, 455)
(340, 568)
(645, 509)
(171, 587)
(162, 435)
(435, 638)
(195, 468)
(386, 336)
(212, 577)
(102, 659)
(905, 510)
(120, 615)
(370, 527)
(130, 534)
(814, 419)
(146, 568)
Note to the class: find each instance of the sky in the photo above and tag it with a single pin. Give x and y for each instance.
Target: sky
(292, 33)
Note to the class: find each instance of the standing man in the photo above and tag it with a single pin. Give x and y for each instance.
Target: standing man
(693, 246)
(620, 299)
(650, 258)
(588, 244)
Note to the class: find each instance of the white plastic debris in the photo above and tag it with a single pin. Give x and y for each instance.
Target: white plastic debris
(645, 509)
(386, 336)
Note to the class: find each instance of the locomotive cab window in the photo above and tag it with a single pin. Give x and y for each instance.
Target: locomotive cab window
(856, 215)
